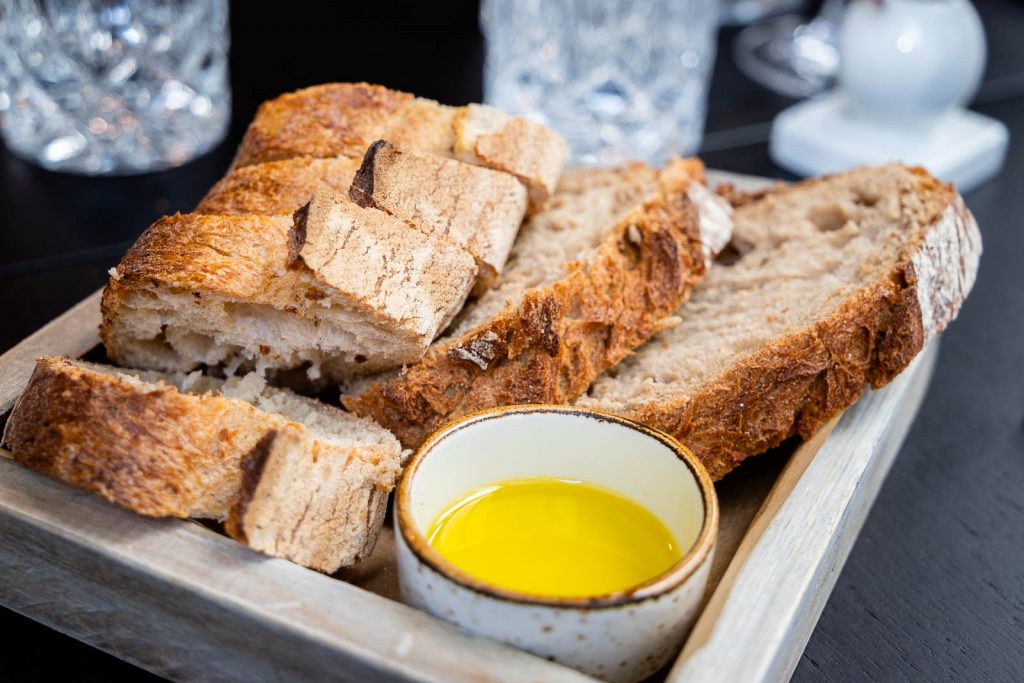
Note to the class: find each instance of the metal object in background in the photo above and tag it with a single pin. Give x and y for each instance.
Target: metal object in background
(128, 86)
(618, 79)
(790, 56)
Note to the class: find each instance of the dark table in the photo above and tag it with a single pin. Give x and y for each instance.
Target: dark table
(934, 587)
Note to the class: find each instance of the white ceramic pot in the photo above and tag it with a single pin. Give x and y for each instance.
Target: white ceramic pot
(910, 60)
(623, 636)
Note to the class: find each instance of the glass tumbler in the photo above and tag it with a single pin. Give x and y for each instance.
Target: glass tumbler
(113, 86)
(619, 79)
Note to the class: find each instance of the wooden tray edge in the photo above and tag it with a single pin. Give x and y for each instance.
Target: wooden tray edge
(790, 558)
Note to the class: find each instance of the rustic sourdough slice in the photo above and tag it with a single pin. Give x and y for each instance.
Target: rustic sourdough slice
(829, 285)
(474, 207)
(590, 279)
(343, 119)
(208, 290)
(173, 445)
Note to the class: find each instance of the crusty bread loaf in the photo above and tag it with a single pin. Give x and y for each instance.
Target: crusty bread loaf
(476, 208)
(173, 445)
(344, 119)
(363, 293)
(588, 302)
(827, 286)
(217, 290)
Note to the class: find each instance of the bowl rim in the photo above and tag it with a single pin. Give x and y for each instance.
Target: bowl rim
(661, 584)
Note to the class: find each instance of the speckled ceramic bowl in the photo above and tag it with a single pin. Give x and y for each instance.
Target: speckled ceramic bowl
(622, 636)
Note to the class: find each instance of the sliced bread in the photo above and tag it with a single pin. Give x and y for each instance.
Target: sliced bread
(217, 290)
(827, 286)
(277, 188)
(476, 208)
(590, 279)
(344, 119)
(173, 445)
(490, 137)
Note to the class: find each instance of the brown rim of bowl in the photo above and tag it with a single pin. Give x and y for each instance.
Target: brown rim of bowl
(658, 585)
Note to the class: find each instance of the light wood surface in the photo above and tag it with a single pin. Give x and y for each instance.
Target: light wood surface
(184, 602)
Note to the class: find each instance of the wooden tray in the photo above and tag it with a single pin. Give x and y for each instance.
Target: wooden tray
(179, 599)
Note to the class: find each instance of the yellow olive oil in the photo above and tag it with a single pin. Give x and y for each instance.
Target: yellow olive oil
(554, 538)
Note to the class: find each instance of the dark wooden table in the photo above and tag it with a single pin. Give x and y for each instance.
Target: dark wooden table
(934, 587)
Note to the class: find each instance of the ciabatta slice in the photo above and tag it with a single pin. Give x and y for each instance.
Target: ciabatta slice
(218, 290)
(590, 279)
(173, 445)
(829, 285)
(476, 208)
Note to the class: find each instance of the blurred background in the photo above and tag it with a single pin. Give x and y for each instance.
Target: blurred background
(718, 79)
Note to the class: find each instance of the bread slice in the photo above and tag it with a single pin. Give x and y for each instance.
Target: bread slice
(829, 285)
(217, 290)
(476, 208)
(173, 446)
(304, 501)
(343, 119)
(277, 188)
(590, 279)
(490, 137)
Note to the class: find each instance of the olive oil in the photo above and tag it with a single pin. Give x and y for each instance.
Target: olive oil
(553, 538)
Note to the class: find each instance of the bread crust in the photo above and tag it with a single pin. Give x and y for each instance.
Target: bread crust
(794, 384)
(153, 450)
(334, 119)
(549, 347)
(398, 279)
(343, 119)
(277, 188)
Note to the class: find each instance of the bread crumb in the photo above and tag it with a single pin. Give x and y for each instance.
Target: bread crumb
(634, 235)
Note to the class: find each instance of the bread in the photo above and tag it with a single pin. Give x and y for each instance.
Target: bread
(476, 208)
(344, 119)
(173, 446)
(308, 501)
(277, 188)
(828, 286)
(490, 137)
(371, 293)
(361, 291)
(590, 279)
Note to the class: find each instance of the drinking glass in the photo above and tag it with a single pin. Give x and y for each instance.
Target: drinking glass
(113, 86)
(791, 56)
(619, 79)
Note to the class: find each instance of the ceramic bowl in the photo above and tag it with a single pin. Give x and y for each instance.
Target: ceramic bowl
(621, 636)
